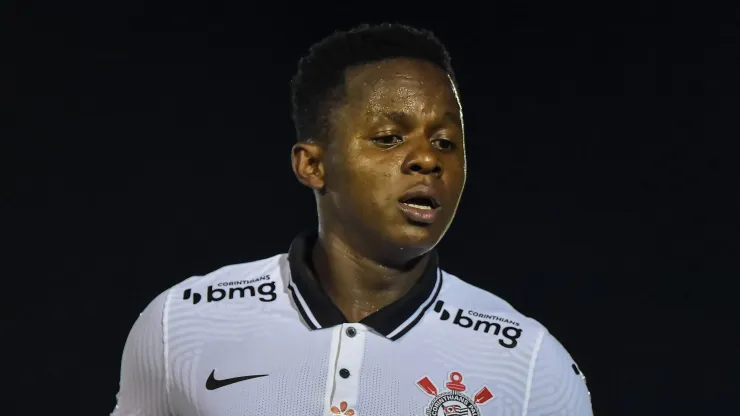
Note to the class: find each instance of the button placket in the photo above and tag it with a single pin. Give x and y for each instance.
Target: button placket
(348, 363)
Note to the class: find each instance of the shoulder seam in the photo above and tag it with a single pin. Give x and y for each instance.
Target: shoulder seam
(530, 374)
(165, 313)
(480, 291)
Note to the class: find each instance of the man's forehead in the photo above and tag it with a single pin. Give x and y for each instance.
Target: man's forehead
(399, 88)
(402, 75)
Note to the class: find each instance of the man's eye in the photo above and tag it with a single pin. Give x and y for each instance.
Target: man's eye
(387, 141)
(444, 144)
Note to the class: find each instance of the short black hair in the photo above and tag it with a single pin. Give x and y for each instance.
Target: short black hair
(317, 85)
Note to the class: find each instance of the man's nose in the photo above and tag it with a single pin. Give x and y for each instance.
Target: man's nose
(423, 159)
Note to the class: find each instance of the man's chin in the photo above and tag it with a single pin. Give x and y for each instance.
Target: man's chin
(417, 236)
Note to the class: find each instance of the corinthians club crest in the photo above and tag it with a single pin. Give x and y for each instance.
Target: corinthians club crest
(453, 402)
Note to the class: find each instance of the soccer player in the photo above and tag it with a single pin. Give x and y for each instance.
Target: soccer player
(357, 317)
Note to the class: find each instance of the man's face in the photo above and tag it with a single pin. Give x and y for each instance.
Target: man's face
(395, 165)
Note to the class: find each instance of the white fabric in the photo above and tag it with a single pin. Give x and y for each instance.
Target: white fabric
(143, 387)
(177, 343)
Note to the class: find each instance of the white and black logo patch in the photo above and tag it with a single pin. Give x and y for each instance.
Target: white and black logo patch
(265, 292)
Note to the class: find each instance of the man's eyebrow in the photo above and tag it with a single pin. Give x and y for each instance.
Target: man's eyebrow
(402, 117)
(399, 117)
(454, 117)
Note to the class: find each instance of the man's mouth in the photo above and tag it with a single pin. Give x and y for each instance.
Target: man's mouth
(421, 203)
(420, 206)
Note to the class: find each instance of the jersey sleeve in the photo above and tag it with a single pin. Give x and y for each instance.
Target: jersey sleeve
(143, 383)
(557, 386)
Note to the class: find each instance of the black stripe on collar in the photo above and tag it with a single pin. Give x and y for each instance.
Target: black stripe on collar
(319, 311)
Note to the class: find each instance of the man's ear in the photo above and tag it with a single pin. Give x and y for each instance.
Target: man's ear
(308, 164)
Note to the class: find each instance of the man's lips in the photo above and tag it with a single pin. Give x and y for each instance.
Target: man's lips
(417, 214)
(423, 195)
(420, 204)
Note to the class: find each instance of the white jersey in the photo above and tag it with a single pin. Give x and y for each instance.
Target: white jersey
(262, 338)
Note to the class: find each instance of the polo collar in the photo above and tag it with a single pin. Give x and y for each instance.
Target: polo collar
(318, 311)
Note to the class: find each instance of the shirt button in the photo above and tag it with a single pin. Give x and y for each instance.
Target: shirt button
(344, 373)
(351, 332)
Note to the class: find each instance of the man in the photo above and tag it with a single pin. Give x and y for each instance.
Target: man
(357, 318)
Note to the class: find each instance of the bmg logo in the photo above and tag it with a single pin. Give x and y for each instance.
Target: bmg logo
(510, 334)
(264, 292)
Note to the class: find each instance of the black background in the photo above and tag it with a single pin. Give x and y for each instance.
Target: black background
(150, 142)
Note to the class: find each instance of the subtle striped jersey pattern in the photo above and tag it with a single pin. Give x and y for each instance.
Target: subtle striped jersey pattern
(468, 353)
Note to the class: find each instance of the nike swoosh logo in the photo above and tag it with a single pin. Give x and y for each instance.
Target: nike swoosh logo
(213, 384)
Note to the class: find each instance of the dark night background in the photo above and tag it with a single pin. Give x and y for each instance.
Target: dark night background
(150, 142)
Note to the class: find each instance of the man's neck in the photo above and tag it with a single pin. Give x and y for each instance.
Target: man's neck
(357, 285)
